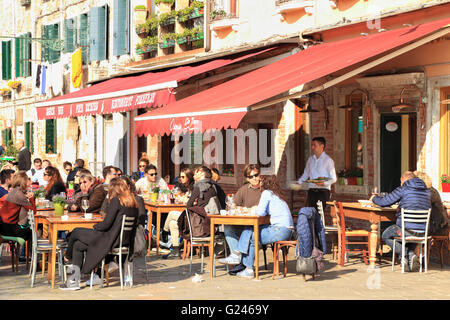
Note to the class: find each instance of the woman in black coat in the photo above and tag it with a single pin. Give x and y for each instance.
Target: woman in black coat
(55, 184)
(105, 236)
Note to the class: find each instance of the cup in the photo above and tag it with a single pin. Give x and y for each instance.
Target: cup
(46, 203)
(88, 216)
(223, 212)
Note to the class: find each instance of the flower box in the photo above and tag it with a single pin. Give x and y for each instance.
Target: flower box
(166, 44)
(139, 51)
(445, 187)
(167, 22)
(183, 40)
(150, 48)
(352, 181)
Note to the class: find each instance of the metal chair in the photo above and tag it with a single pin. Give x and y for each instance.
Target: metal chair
(329, 229)
(202, 242)
(416, 217)
(127, 225)
(43, 246)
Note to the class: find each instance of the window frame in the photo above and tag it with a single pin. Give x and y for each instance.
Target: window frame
(54, 139)
(444, 135)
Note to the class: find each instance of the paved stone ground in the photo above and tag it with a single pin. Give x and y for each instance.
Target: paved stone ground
(170, 279)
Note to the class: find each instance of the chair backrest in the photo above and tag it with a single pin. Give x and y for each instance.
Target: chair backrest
(416, 217)
(190, 227)
(32, 223)
(320, 209)
(127, 225)
(340, 215)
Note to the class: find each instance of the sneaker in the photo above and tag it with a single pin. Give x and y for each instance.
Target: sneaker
(96, 280)
(70, 286)
(112, 267)
(238, 268)
(231, 259)
(246, 273)
(413, 263)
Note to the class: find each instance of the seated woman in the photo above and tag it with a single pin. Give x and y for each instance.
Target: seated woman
(14, 211)
(185, 185)
(99, 241)
(281, 226)
(55, 184)
(92, 190)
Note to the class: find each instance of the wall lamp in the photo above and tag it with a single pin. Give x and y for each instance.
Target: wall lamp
(309, 108)
(350, 105)
(402, 105)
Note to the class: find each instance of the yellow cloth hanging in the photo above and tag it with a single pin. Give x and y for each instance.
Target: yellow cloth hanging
(77, 68)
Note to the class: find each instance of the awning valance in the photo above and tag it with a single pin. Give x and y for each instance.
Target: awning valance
(226, 104)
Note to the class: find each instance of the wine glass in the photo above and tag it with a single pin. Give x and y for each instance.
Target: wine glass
(85, 205)
(375, 191)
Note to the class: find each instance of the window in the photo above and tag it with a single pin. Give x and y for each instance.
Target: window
(6, 60)
(354, 125)
(50, 136)
(48, 52)
(98, 33)
(29, 130)
(22, 55)
(120, 31)
(83, 41)
(6, 137)
(70, 35)
(444, 148)
(227, 6)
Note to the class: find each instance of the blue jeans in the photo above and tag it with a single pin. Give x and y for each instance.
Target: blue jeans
(267, 234)
(232, 235)
(396, 231)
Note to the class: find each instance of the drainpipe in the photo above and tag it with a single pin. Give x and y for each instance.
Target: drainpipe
(206, 31)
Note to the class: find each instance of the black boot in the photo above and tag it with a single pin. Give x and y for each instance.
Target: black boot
(164, 236)
(174, 254)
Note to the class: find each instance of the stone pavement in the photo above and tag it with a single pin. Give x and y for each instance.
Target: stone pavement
(170, 279)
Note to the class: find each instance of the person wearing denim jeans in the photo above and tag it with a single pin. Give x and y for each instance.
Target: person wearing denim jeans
(272, 203)
(396, 231)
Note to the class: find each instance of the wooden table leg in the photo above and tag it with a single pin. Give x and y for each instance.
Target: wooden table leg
(256, 237)
(54, 235)
(211, 256)
(373, 243)
(158, 229)
(149, 228)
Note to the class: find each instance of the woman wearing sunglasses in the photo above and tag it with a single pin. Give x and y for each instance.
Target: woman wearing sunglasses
(143, 162)
(55, 184)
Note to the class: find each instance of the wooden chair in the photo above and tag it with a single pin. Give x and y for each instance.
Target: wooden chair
(439, 241)
(346, 233)
(284, 247)
(329, 229)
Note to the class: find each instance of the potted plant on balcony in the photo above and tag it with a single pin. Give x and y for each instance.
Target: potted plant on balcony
(15, 85)
(218, 14)
(359, 176)
(168, 40)
(167, 18)
(199, 5)
(351, 178)
(342, 175)
(171, 2)
(5, 92)
(140, 14)
(445, 182)
(150, 44)
(59, 203)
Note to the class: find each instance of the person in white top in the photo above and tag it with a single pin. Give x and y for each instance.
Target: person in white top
(150, 181)
(36, 174)
(318, 167)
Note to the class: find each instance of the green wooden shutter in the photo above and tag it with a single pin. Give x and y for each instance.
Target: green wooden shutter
(6, 137)
(98, 33)
(18, 56)
(50, 136)
(83, 38)
(27, 55)
(54, 35)
(44, 47)
(29, 136)
(6, 60)
(70, 35)
(120, 29)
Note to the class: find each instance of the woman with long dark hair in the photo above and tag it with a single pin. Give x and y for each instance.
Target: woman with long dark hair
(273, 203)
(55, 183)
(99, 241)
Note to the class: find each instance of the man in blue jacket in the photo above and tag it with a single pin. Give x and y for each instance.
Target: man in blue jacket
(413, 194)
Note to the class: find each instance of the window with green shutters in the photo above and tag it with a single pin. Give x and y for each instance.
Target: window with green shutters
(50, 32)
(70, 35)
(29, 130)
(83, 37)
(6, 60)
(22, 56)
(6, 137)
(120, 27)
(50, 136)
(98, 33)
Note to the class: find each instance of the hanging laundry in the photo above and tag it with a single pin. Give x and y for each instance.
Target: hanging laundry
(38, 76)
(77, 68)
(56, 77)
(43, 79)
(48, 80)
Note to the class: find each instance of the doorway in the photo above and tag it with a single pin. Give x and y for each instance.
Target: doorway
(167, 166)
(398, 148)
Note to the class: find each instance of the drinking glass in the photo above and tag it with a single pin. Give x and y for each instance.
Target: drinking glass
(375, 191)
(85, 205)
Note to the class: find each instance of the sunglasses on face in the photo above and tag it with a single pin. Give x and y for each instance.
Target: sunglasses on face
(151, 174)
(182, 177)
(253, 176)
(46, 174)
(67, 169)
(142, 166)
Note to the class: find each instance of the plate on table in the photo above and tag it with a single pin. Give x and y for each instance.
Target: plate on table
(320, 179)
(295, 186)
(366, 203)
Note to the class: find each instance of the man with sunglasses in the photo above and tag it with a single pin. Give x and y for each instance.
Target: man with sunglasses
(247, 196)
(150, 180)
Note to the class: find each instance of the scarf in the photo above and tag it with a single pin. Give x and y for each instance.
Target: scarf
(203, 185)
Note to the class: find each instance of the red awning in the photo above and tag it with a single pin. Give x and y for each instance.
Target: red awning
(226, 104)
(152, 89)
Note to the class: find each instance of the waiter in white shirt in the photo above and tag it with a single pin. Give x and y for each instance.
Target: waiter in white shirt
(319, 165)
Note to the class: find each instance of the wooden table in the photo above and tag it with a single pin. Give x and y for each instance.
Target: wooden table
(240, 220)
(55, 224)
(373, 214)
(159, 208)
